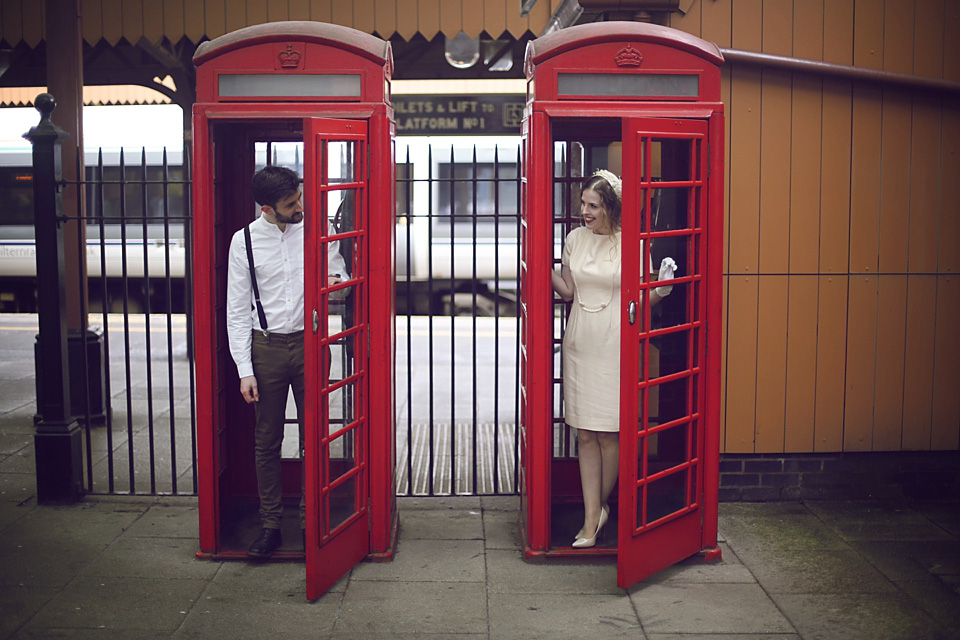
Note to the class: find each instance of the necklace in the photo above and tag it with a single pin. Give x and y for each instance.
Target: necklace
(613, 286)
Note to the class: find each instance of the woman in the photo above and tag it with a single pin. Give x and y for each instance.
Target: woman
(590, 276)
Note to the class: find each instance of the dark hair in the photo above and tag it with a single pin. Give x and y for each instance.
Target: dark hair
(609, 198)
(272, 184)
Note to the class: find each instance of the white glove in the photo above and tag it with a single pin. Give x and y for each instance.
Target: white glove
(667, 268)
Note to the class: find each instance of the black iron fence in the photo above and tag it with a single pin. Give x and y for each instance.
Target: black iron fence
(457, 227)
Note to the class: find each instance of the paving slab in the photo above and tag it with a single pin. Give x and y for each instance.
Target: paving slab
(133, 605)
(550, 616)
(429, 561)
(433, 524)
(859, 616)
(877, 521)
(508, 573)
(816, 572)
(500, 530)
(704, 608)
(413, 608)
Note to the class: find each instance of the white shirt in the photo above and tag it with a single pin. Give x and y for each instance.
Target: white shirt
(278, 261)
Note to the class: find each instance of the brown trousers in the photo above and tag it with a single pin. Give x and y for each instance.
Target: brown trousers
(278, 366)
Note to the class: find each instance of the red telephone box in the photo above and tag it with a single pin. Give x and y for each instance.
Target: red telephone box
(643, 101)
(314, 97)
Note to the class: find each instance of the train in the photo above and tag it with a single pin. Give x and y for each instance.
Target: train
(457, 215)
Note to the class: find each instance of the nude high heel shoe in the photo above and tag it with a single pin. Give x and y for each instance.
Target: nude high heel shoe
(583, 543)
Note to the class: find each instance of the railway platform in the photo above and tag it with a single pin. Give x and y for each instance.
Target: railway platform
(125, 567)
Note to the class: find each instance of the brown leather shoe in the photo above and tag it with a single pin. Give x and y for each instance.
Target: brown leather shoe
(266, 544)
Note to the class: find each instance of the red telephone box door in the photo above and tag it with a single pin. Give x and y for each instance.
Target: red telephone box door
(335, 355)
(663, 393)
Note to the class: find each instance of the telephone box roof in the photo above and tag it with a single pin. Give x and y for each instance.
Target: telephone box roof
(358, 42)
(579, 36)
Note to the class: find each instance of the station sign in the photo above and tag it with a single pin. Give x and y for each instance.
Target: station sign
(431, 115)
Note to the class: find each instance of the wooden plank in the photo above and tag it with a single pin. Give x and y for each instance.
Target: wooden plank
(364, 16)
(342, 13)
(256, 12)
(321, 10)
(91, 26)
(214, 18)
(805, 175)
(407, 22)
(472, 18)
(775, 213)
(235, 15)
(277, 10)
(173, 19)
(539, 16)
(918, 363)
(777, 17)
(495, 17)
(299, 9)
(865, 179)
(838, 31)
(895, 178)
(451, 18)
(925, 180)
(11, 21)
(928, 36)
(948, 255)
(386, 18)
(516, 24)
(723, 363)
(771, 364)
(946, 366)
(808, 29)
(888, 394)
(31, 23)
(861, 364)
(717, 20)
(744, 170)
(868, 34)
(193, 20)
(748, 25)
(801, 337)
(726, 89)
(132, 17)
(951, 48)
(898, 37)
(831, 363)
(835, 178)
(689, 22)
(741, 377)
(429, 17)
(153, 22)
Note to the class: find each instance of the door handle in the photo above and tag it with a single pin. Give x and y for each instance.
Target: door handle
(632, 311)
(316, 321)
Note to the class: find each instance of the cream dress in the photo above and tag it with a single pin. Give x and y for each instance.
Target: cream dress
(591, 343)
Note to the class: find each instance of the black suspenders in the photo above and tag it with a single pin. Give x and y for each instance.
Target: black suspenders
(253, 280)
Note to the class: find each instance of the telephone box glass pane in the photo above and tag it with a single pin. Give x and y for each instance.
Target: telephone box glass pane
(342, 502)
(341, 161)
(628, 85)
(312, 85)
(342, 206)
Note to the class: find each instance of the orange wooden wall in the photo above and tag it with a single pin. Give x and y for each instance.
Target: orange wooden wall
(842, 239)
(842, 276)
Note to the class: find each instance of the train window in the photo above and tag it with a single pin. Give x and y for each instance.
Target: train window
(135, 194)
(16, 196)
(484, 194)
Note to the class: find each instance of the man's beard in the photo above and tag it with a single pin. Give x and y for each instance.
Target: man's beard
(294, 219)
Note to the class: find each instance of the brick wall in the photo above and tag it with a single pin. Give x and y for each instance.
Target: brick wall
(893, 475)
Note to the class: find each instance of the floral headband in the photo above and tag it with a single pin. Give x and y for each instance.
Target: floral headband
(612, 180)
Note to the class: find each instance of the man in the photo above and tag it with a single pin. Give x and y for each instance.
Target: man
(269, 358)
